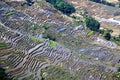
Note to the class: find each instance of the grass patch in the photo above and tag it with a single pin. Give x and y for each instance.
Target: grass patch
(75, 23)
(52, 43)
(3, 45)
(83, 57)
(90, 33)
(37, 39)
(10, 13)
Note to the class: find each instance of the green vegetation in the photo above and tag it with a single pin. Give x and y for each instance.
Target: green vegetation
(36, 26)
(104, 2)
(15, 78)
(10, 13)
(29, 78)
(56, 73)
(45, 35)
(3, 76)
(116, 38)
(52, 43)
(3, 45)
(119, 5)
(83, 56)
(49, 36)
(98, 1)
(117, 74)
(90, 33)
(62, 6)
(46, 26)
(37, 39)
(106, 34)
(28, 2)
(75, 23)
(92, 24)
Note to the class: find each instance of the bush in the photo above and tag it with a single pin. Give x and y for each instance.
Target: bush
(3, 75)
(106, 34)
(92, 24)
(37, 39)
(46, 26)
(49, 36)
(62, 6)
(117, 74)
(75, 23)
(10, 13)
(52, 43)
(116, 39)
(118, 69)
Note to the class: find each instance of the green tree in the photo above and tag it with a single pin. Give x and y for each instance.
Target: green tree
(92, 24)
(65, 8)
(62, 6)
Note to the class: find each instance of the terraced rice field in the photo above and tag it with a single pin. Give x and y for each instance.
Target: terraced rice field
(30, 56)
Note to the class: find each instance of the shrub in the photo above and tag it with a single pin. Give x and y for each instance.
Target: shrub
(37, 39)
(117, 74)
(28, 2)
(107, 34)
(118, 69)
(52, 43)
(46, 26)
(10, 13)
(3, 75)
(116, 39)
(49, 36)
(75, 23)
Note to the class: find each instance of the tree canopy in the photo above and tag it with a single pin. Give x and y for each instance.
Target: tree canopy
(62, 6)
(92, 24)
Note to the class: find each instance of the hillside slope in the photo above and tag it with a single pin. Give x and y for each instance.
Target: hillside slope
(72, 56)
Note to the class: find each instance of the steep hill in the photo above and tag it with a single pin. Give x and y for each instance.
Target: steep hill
(38, 42)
